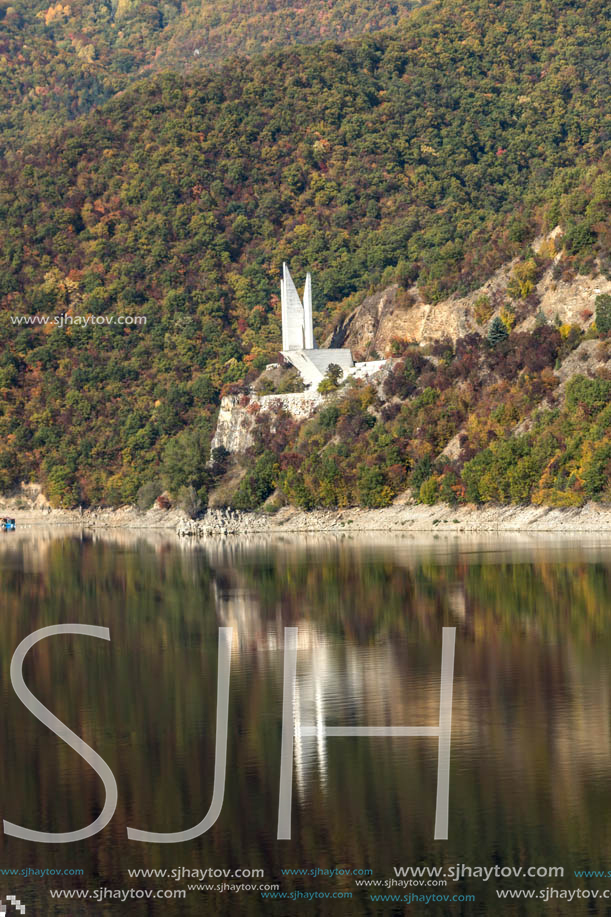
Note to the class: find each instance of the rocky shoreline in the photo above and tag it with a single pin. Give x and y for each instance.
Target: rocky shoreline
(593, 518)
(124, 517)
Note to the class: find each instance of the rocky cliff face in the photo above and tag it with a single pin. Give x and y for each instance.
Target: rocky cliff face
(404, 315)
(522, 293)
(238, 414)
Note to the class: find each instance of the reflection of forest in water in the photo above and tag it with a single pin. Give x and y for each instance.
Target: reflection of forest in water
(531, 758)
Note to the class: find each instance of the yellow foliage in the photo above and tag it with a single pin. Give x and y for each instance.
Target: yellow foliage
(507, 316)
(547, 249)
(570, 327)
(55, 12)
(240, 285)
(122, 8)
(85, 52)
(587, 453)
(482, 310)
(302, 233)
(488, 487)
(551, 497)
(66, 287)
(523, 280)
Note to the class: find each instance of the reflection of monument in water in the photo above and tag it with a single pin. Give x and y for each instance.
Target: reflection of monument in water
(506, 684)
(337, 682)
(298, 346)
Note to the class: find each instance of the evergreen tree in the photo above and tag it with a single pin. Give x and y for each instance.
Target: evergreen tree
(497, 333)
(603, 313)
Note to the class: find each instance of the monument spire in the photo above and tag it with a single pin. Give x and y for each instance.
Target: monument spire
(307, 314)
(293, 336)
(298, 345)
(283, 313)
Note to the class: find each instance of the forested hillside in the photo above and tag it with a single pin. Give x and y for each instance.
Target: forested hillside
(59, 59)
(431, 154)
(493, 418)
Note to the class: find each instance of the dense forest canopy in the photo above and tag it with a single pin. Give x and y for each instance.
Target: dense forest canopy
(518, 437)
(431, 154)
(59, 59)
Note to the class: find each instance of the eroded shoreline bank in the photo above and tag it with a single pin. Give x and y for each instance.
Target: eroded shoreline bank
(592, 518)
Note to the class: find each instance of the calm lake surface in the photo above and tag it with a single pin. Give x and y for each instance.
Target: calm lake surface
(531, 733)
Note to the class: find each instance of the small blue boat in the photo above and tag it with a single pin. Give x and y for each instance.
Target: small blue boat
(7, 524)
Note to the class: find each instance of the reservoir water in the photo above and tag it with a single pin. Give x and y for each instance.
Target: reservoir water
(530, 765)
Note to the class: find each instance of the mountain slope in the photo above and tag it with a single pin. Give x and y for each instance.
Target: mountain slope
(217, 30)
(59, 59)
(508, 401)
(429, 154)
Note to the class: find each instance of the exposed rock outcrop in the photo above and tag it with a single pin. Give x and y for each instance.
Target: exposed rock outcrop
(588, 359)
(404, 315)
(238, 413)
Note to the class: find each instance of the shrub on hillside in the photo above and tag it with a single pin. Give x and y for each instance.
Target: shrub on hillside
(147, 494)
(258, 483)
(603, 313)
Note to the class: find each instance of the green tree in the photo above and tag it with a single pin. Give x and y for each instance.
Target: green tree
(429, 491)
(184, 463)
(603, 313)
(147, 494)
(296, 490)
(257, 484)
(374, 491)
(331, 380)
(498, 332)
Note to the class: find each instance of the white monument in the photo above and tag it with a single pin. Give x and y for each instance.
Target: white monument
(298, 345)
(297, 327)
